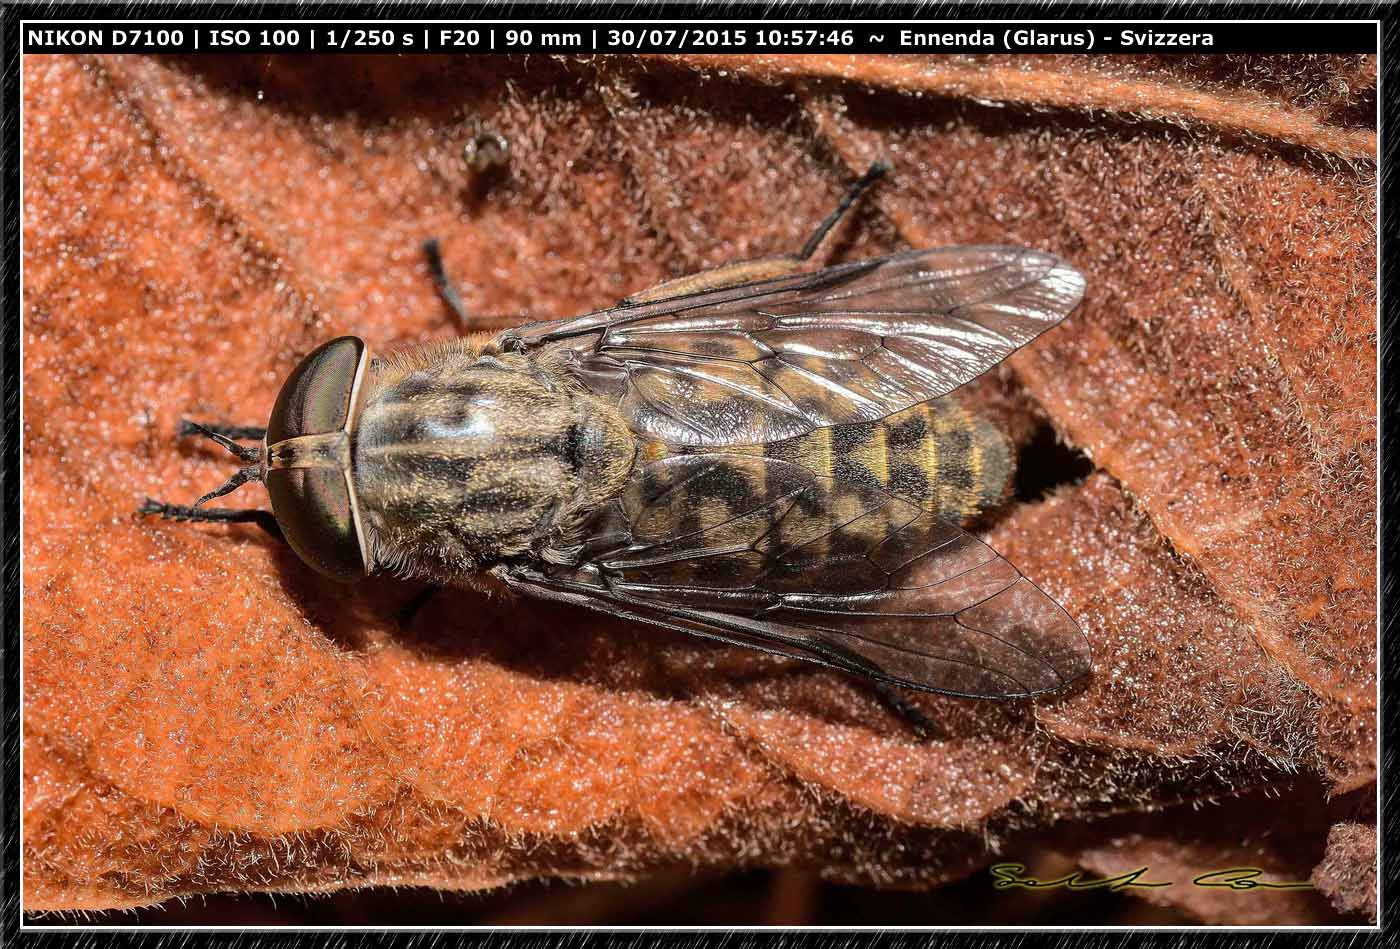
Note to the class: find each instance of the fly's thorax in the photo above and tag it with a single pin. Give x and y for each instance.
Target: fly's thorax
(461, 461)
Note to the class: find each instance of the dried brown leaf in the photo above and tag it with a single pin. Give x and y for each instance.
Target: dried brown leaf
(202, 713)
(1347, 875)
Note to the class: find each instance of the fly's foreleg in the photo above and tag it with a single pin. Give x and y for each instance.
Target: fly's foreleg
(763, 268)
(223, 515)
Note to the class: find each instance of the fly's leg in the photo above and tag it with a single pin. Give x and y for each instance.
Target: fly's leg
(410, 610)
(445, 289)
(465, 324)
(924, 727)
(179, 512)
(763, 268)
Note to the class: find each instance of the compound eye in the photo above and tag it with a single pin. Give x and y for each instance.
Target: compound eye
(314, 511)
(315, 399)
(314, 503)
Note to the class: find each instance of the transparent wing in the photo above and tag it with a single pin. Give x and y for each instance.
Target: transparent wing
(774, 359)
(767, 554)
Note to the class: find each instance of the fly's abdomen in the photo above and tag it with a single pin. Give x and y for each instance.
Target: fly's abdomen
(937, 455)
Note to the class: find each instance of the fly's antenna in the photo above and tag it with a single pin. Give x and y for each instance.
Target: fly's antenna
(237, 432)
(253, 472)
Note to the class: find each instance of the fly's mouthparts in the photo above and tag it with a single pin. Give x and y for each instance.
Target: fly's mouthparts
(240, 477)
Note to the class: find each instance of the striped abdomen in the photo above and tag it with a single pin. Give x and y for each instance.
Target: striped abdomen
(937, 455)
(752, 519)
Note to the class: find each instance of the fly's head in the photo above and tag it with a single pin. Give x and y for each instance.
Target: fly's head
(305, 462)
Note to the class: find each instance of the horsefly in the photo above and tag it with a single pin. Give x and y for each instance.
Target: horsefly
(760, 454)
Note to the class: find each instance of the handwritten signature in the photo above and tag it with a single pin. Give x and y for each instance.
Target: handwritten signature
(1232, 878)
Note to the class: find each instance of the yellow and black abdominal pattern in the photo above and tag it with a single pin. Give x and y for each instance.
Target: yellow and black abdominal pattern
(801, 471)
